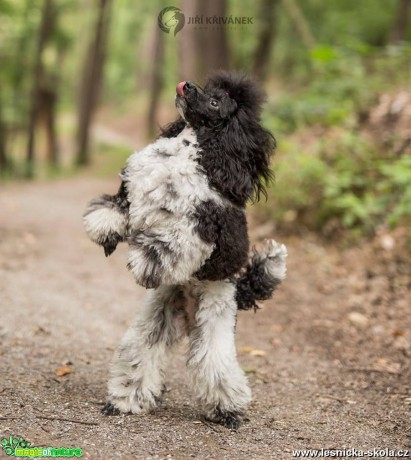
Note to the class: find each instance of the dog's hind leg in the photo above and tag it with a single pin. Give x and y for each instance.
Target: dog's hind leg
(137, 371)
(219, 382)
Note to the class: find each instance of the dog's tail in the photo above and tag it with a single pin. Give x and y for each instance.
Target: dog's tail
(106, 220)
(264, 273)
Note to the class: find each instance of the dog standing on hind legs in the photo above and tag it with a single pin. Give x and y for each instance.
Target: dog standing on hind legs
(181, 209)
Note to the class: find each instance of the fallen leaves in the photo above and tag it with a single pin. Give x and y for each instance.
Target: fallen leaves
(358, 319)
(385, 365)
(249, 369)
(253, 351)
(62, 371)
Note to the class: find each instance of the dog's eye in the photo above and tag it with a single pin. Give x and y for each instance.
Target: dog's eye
(213, 103)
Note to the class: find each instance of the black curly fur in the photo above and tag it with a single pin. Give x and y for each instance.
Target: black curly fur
(173, 129)
(254, 283)
(226, 227)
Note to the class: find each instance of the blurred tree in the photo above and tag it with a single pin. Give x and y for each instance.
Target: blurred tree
(399, 27)
(203, 49)
(301, 24)
(44, 34)
(213, 50)
(188, 45)
(3, 155)
(262, 53)
(156, 81)
(48, 96)
(92, 80)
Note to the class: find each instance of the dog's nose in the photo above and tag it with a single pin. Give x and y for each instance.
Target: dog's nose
(184, 86)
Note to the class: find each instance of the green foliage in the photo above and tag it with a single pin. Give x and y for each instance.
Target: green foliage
(18, 25)
(341, 179)
(395, 186)
(335, 23)
(343, 84)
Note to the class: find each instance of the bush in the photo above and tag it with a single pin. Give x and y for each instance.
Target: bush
(340, 181)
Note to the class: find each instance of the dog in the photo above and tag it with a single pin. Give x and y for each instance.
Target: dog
(181, 209)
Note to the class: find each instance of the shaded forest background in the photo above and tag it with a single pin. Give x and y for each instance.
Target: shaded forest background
(83, 82)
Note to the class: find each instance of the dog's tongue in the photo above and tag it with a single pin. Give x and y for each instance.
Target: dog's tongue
(179, 89)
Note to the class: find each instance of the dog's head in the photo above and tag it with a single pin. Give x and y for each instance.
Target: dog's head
(224, 96)
(236, 149)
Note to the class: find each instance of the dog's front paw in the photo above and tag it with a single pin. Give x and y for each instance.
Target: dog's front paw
(105, 224)
(110, 409)
(110, 243)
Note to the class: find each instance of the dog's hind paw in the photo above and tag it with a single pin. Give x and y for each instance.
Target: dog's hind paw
(110, 409)
(231, 420)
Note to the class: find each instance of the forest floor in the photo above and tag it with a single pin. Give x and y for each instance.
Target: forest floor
(328, 359)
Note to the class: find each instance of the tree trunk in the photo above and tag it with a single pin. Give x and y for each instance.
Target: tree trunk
(48, 97)
(297, 17)
(44, 33)
(212, 43)
(156, 82)
(3, 156)
(262, 53)
(92, 79)
(398, 31)
(188, 47)
(203, 48)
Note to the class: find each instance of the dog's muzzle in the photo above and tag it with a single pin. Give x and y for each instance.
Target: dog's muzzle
(186, 95)
(184, 88)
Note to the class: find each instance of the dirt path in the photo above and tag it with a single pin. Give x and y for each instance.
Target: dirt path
(331, 368)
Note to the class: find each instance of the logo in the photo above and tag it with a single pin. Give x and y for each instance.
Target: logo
(171, 20)
(18, 447)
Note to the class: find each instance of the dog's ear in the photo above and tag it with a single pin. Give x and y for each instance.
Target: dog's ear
(228, 106)
(251, 145)
(236, 157)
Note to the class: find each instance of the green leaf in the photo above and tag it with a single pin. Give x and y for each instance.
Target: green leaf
(323, 53)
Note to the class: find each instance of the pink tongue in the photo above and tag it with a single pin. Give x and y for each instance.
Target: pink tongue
(180, 87)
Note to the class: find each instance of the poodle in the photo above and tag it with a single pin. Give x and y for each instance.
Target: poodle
(181, 209)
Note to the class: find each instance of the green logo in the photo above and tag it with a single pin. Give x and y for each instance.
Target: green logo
(19, 447)
(171, 20)
(9, 445)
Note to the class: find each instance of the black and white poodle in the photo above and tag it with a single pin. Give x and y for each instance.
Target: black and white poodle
(181, 209)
